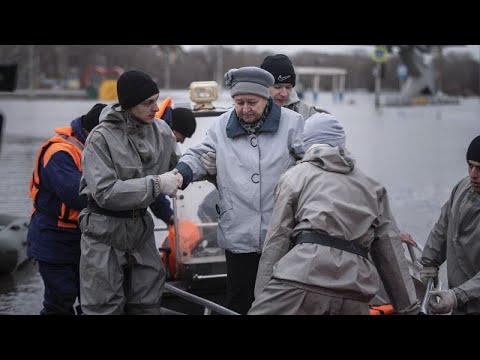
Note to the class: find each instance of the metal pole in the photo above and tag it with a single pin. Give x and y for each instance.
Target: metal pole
(378, 84)
(220, 66)
(210, 305)
(167, 69)
(177, 237)
(426, 298)
(31, 60)
(439, 89)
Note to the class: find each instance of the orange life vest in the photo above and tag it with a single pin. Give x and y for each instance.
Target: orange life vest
(385, 309)
(162, 106)
(63, 141)
(189, 235)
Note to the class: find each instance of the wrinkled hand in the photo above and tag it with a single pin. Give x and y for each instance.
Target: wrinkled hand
(169, 183)
(407, 239)
(179, 178)
(429, 272)
(209, 161)
(446, 303)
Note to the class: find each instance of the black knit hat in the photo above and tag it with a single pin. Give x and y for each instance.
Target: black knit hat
(281, 68)
(133, 87)
(184, 121)
(473, 152)
(90, 119)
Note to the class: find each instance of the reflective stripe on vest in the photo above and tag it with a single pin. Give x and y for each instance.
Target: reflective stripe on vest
(63, 141)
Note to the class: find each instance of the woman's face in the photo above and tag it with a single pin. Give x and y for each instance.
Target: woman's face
(249, 107)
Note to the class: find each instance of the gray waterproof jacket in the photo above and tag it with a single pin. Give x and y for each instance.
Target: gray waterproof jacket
(294, 103)
(120, 162)
(325, 192)
(248, 168)
(455, 238)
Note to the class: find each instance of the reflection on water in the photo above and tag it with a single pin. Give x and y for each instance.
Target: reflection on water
(21, 293)
(418, 153)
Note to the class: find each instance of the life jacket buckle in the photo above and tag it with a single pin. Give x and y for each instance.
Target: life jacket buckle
(136, 214)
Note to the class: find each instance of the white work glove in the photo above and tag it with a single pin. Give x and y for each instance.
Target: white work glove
(446, 303)
(169, 183)
(429, 272)
(209, 161)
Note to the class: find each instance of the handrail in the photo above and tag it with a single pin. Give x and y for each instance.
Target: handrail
(412, 254)
(426, 298)
(177, 242)
(200, 225)
(210, 305)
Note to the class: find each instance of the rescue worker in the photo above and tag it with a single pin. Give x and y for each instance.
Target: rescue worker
(53, 238)
(283, 91)
(327, 218)
(126, 162)
(251, 146)
(455, 238)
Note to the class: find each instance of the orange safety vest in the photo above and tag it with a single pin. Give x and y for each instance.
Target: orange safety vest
(63, 141)
(188, 235)
(385, 309)
(162, 106)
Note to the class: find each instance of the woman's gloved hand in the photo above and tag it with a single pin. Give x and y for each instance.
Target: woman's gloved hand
(209, 161)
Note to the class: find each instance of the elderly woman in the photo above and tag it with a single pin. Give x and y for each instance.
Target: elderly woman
(248, 149)
(328, 217)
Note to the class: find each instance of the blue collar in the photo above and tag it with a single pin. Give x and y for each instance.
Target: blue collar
(77, 129)
(271, 124)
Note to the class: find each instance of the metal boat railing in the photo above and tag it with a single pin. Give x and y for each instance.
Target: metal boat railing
(207, 304)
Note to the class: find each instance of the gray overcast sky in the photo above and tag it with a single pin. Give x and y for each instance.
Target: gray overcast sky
(291, 49)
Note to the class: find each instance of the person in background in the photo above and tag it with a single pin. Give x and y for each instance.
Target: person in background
(247, 149)
(126, 163)
(283, 92)
(53, 238)
(327, 218)
(455, 238)
(183, 124)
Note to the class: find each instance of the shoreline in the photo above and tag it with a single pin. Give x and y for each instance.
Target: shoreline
(45, 94)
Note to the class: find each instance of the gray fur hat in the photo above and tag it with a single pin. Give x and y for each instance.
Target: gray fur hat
(323, 128)
(249, 80)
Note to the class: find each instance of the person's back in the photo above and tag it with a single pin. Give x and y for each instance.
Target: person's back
(54, 237)
(327, 216)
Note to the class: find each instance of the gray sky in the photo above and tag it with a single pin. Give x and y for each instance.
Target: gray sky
(292, 49)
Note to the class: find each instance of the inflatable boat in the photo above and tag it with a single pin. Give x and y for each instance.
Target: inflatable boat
(13, 242)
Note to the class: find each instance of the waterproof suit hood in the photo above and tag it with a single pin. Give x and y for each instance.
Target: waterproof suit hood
(330, 158)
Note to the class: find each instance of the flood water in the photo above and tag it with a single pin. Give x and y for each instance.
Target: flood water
(418, 153)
